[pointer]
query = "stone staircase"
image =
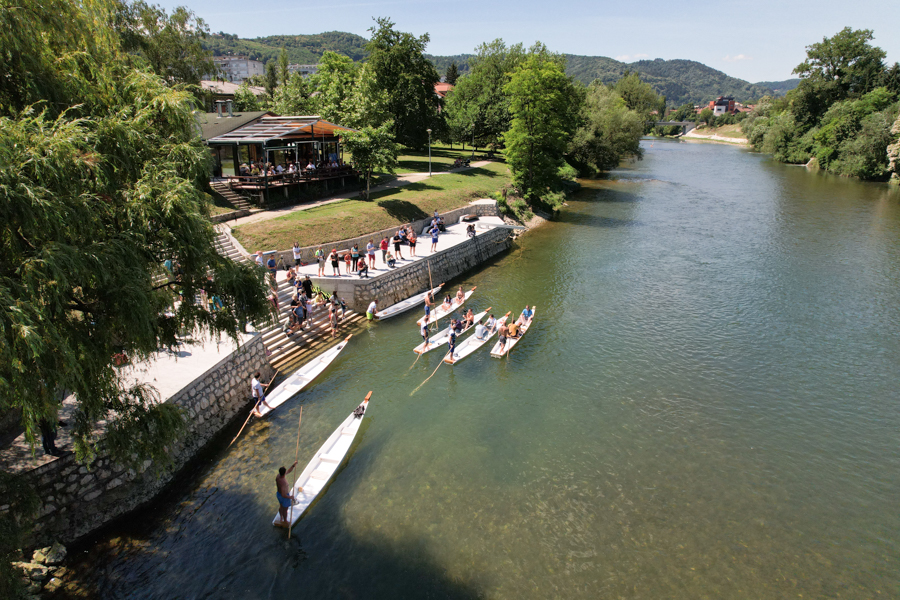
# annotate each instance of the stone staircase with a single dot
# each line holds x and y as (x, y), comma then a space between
(239, 202)
(287, 352)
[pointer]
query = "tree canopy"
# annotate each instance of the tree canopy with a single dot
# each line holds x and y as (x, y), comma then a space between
(373, 149)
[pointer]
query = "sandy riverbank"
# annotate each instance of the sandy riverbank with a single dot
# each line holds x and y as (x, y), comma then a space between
(693, 134)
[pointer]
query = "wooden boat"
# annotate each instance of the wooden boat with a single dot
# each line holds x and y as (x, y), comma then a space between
(405, 305)
(323, 466)
(301, 378)
(471, 343)
(498, 352)
(444, 336)
(440, 312)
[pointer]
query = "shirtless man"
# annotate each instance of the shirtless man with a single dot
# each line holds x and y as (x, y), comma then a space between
(470, 319)
(460, 296)
(283, 493)
(503, 331)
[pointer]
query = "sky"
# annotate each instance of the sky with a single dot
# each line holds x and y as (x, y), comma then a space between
(757, 40)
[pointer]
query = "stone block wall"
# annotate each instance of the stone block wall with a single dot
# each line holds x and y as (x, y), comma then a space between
(482, 208)
(412, 279)
(77, 499)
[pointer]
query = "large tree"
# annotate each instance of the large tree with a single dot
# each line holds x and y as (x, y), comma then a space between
(544, 105)
(400, 71)
(334, 82)
(373, 149)
(100, 184)
(609, 132)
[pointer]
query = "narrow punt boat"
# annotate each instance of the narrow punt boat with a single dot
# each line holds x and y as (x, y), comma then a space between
(498, 352)
(442, 311)
(444, 336)
(472, 343)
(301, 378)
(405, 305)
(323, 466)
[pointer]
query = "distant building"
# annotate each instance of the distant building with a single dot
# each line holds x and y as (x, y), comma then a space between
(224, 90)
(442, 89)
(722, 105)
(304, 70)
(238, 68)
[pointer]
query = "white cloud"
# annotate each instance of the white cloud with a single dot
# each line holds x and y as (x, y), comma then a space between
(631, 57)
(737, 58)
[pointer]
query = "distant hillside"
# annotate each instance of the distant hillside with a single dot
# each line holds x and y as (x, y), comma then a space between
(780, 87)
(680, 81)
(303, 49)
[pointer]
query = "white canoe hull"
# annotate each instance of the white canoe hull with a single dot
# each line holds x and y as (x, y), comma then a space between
(301, 378)
(440, 312)
(321, 468)
(471, 344)
(498, 352)
(405, 305)
(443, 337)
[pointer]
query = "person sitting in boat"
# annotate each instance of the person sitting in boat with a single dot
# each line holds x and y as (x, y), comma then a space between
(503, 332)
(481, 331)
(470, 318)
(448, 302)
(512, 331)
(460, 296)
(283, 493)
(460, 326)
(525, 316)
(491, 324)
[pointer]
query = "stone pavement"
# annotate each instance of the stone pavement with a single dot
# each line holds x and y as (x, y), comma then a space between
(400, 181)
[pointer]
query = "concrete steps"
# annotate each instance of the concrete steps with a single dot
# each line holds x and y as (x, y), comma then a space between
(239, 202)
(287, 352)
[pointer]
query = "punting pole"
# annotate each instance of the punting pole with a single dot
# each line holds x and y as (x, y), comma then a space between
(296, 458)
(251, 412)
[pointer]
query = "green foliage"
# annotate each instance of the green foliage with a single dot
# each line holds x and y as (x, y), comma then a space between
(101, 174)
(303, 49)
(293, 98)
(452, 74)
(610, 131)
(479, 106)
(171, 44)
(706, 116)
(543, 105)
(373, 149)
(638, 96)
(335, 82)
(271, 80)
(283, 71)
(405, 81)
(245, 99)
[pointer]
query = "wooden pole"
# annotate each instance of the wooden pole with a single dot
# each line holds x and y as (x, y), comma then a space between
(251, 412)
(296, 458)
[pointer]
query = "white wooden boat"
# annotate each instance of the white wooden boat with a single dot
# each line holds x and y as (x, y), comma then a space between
(301, 378)
(443, 337)
(472, 343)
(323, 466)
(441, 311)
(498, 352)
(405, 305)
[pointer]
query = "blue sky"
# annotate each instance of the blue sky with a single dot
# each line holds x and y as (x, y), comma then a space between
(756, 40)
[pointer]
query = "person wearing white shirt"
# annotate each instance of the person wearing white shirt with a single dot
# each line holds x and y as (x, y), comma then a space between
(480, 331)
(373, 308)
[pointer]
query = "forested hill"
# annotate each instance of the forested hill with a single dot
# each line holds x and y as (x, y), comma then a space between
(303, 49)
(680, 81)
(780, 87)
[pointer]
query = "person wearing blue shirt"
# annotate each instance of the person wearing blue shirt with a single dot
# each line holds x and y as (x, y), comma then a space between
(525, 316)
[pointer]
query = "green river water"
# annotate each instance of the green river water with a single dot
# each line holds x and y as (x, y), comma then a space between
(706, 407)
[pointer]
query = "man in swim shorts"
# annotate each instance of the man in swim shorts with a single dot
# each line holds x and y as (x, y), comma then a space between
(285, 498)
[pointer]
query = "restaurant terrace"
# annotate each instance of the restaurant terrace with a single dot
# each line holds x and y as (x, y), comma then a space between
(281, 155)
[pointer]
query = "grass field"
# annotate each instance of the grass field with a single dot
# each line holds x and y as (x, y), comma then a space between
(390, 208)
(442, 158)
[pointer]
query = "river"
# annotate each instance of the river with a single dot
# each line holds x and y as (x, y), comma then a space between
(706, 407)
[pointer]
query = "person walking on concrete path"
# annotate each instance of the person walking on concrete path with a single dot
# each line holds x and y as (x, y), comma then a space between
(434, 237)
(334, 262)
(320, 260)
(370, 252)
(384, 250)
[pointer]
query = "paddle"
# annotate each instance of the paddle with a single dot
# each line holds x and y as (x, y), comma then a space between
(251, 412)
(296, 458)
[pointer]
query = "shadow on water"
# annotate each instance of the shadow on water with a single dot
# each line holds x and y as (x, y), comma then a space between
(573, 218)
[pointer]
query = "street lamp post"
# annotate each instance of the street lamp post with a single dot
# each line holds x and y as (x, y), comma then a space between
(429, 152)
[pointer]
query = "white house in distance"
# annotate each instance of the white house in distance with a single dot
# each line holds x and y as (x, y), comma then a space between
(304, 70)
(238, 68)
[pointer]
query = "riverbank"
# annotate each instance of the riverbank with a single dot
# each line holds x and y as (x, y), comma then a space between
(729, 134)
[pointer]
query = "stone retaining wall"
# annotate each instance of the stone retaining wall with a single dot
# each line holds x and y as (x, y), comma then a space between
(77, 499)
(482, 208)
(413, 278)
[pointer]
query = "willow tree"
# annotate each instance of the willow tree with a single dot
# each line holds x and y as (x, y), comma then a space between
(100, 185)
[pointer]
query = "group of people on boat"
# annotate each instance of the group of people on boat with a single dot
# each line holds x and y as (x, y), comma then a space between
(514, 329)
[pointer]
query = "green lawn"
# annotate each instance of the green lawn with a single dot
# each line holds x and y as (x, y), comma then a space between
(442, 158)
(390, 208)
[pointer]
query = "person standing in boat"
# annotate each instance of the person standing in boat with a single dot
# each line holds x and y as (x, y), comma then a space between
(423, 331)
(452, 342)
(503, 331)
(283, 493)
(258, 393)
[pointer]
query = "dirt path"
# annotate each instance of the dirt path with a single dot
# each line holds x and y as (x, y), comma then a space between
(692, 134)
